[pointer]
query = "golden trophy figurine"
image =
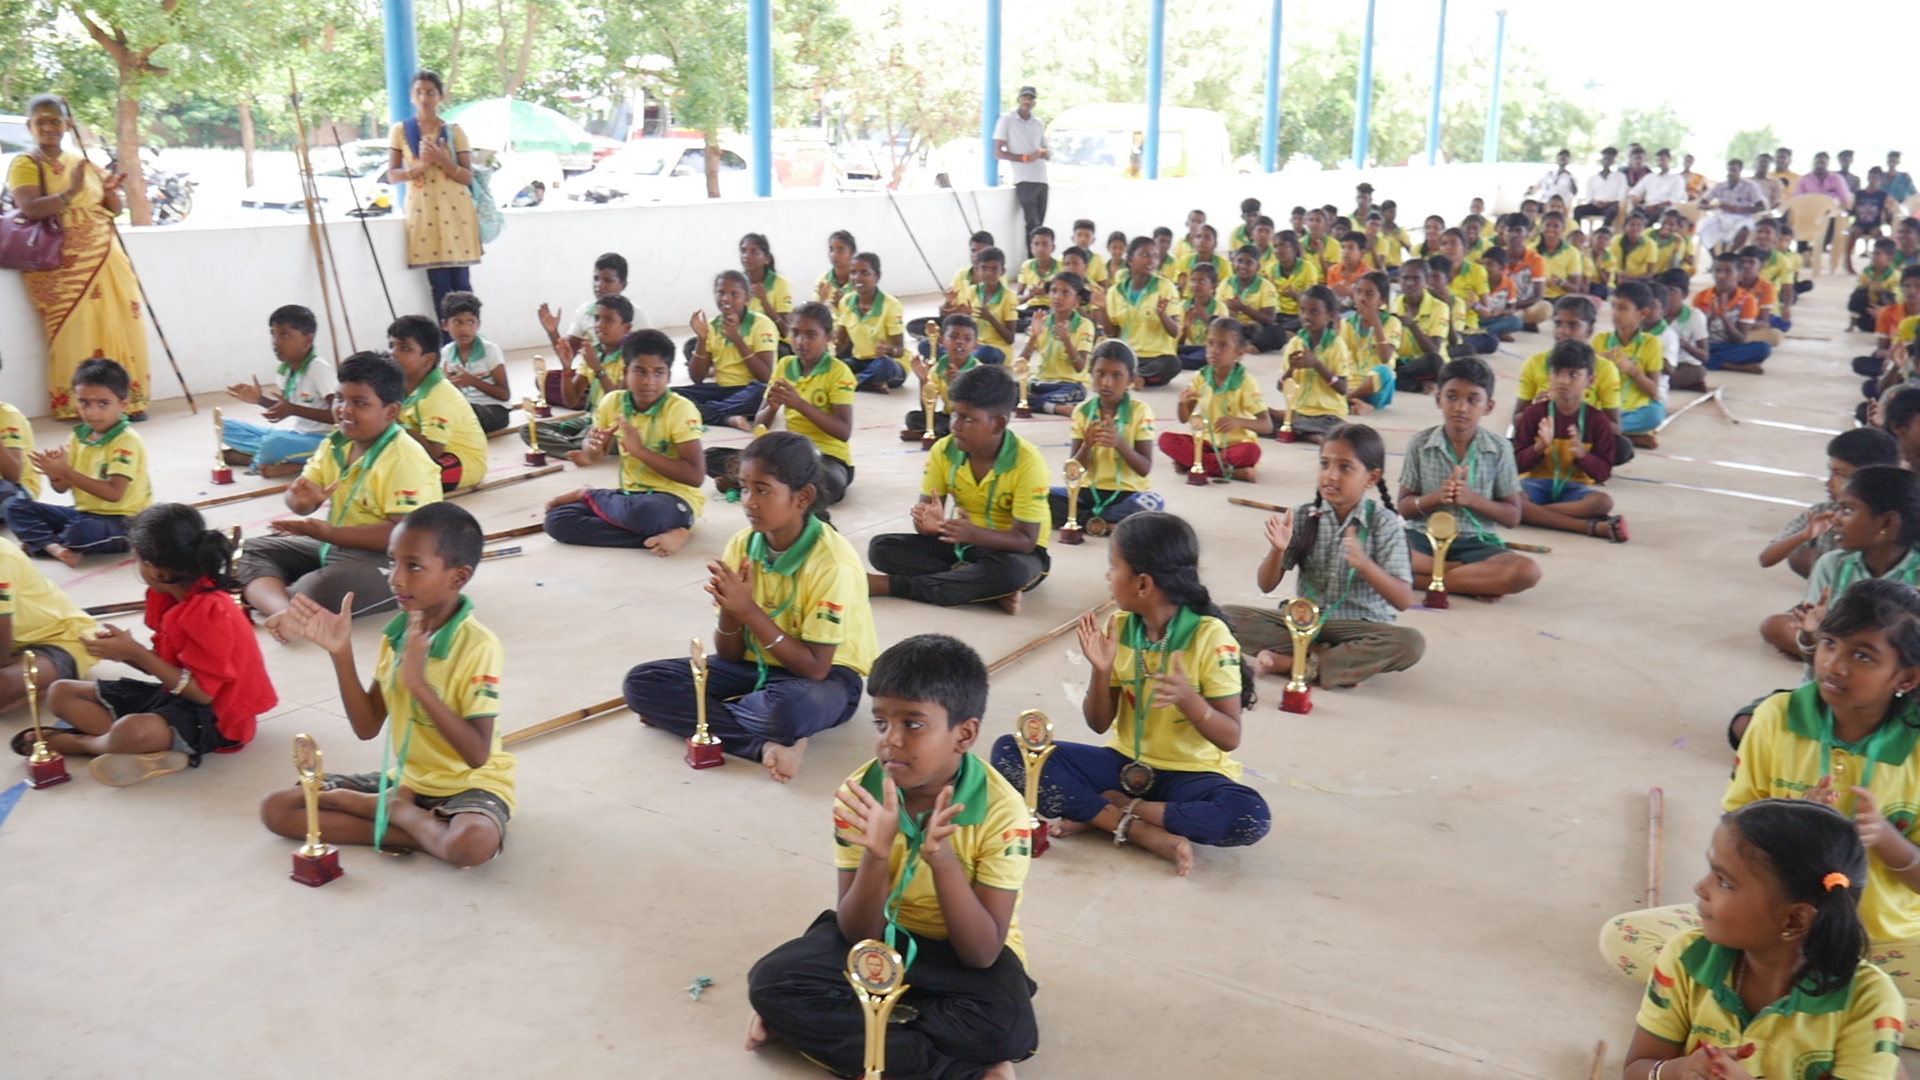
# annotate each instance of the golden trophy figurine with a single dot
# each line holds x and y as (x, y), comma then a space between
(877, 975)
(929, 408)
(540, 406)
(1197, 472)
(1302, 617)
(1071, 532)
(222, 472)
(1441, 531)
(703, 749)
(44, 767)
(1285, 434)
(315, 863)
(536, 457)
(1034, 734)
(1022, 373)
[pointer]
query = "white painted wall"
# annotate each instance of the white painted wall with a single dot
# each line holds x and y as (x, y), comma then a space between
(213, 285)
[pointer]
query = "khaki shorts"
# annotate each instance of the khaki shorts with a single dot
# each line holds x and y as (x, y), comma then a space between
(470, 801)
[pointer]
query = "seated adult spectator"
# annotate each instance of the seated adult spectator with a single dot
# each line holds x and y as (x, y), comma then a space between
(1657, 192)
(1604, 191)
(1734, 203)
(1558, 181)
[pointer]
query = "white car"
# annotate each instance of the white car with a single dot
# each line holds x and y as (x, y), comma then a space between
(668, 170)
(360, 178)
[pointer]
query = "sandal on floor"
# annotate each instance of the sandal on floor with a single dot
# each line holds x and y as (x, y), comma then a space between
(1616, 528)
(23, 739)
(126, 770)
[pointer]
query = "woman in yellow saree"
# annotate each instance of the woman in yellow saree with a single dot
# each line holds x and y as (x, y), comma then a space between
(91, 304)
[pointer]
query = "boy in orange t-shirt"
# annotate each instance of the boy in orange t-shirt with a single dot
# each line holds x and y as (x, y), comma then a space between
(1731, 312)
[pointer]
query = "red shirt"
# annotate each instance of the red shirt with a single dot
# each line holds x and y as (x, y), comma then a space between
(1890, 318)
(209, 635)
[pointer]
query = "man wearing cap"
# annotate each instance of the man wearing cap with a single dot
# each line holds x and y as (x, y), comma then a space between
(1021, 138)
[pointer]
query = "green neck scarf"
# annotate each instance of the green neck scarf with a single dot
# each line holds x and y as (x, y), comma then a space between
(337, 506)
(1853, 567)
(434, 378)
(88, 437)
(1122, 420)
(1003, 462)
(788, 564)
(439, 645)
(290, 373)
(1133, 635)
(969, 790)
(1892, 742)
(1362, 516)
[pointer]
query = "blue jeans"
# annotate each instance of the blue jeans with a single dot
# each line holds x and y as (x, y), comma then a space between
(37, 524)
(716, 403)
(877, 371)
(1501, 324)
(1121, 508)
(1722, 353)
(1539, 491)
(1043, 396)
(604, 518)
(268, 445)
(1643, 419)
(1205, 807)
(789, 708)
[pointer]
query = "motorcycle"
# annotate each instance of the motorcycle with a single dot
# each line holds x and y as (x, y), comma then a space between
(169, 193)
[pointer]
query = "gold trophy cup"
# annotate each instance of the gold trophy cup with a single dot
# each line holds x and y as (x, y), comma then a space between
(1022, 373)
(536, 457)
(1302, 617)
(541, 408)
(1071, 532)
(44, 768)
(877, 975)
(1197, 472)
(1034, 734)
(929, 407)
(222, 472)
(1285, 434)
(1441, 531)
(315, 863)
(703, 749)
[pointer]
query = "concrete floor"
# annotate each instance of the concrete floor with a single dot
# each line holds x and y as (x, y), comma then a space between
(1446, 842)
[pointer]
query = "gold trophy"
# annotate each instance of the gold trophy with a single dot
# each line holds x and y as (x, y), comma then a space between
(1197, 421)
(929, 407)
(1021, 372)
(876, 973)
(540, 406)
(315, 863)
(1034, 734)
(222, 472)
(44, 768)
(1285, 434)
(1071, 532)
(536, 457)
(1441, 531)
(703, 749)
(1302, 617)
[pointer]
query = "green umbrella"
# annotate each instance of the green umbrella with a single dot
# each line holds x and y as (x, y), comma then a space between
(511, 124)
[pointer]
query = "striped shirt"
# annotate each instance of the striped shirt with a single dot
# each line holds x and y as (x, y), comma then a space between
(1327, 580)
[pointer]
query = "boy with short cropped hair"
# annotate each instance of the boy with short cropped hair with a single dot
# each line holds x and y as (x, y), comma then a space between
(1242, 234)
(966, 275)
(954, 354)
(1811, 534)
(944, 893)
(1636, 354)
(301, 417)
(1204, 253)
(1878, 286)
(1563, 450)
(587, 376)
(1038, 270)
(1251, 298)
(995, 547)
(609, 279)
(434, 413)
(1730, 313)
(436, 691)
(369, 475)
(473, 364)
(1573, 318)
(1688, 325)
(989, 301)
(1461, 467)
(104, 465)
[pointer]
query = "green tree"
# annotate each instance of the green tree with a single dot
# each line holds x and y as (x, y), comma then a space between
(1746, 145)
(132, 32)
(1654, 129)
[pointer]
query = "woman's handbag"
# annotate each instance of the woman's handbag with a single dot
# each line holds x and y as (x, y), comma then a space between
(26, 244)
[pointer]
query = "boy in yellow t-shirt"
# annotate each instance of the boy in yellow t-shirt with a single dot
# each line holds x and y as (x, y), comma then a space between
(1315, 368)
(1204, 253)
(1224, 401)
(36, 616)
(1637, 355)
(368, 475)
(991, 303)
(434, 411)
(104, 464)
(1565, 267)
(816, 390)
(1292, 275)
(1252, 298)
(1063, 338)
(994, 547)
(946, 893)
(953, 353)
(656, 433)
(1037, 271)
(733, 354)
(1084, 238)
(966, 275)
(1635, 257)
(1113, 439)
(596, 371)
(436, 691)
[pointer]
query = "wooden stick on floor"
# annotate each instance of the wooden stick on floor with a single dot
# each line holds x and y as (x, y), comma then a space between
(1541, 548)
(1599, 1060)
(591, 712)
(506, 481)
(508, 534)
(1656, 840)
(117, 609)
(1057, 631)
(1238, 501)
(240, 496)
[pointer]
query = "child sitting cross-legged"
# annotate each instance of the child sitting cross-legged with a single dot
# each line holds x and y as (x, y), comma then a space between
(104, 465)
(212, 684)
(931, 848)
(1316, 368)
(297, 421)
(656, 434)
(871, 335)
(1202, 305)
(1877, 523)
(1168, 683)
(1811, 534)
(433, 413)
(816, 390)
(1113, 438)
(733, 354)
(1063, 338)
(795, 634)
(1352, 556)
(1637, 356)
(1563, 450)
(1372, 335)
(445, 785)
(1226, 398)
(954, 351)
(37, 617)
(589, 374)
(474, 365)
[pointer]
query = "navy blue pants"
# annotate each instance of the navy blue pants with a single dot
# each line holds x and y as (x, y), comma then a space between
(446, 279)
(876, 371)
(789, 708)
(1205, 807)
(605, 518)
(37, 524)
(1721, 353)
(716, 403)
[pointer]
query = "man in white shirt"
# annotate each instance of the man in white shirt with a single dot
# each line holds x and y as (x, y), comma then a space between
(1558, 181)
(1659, 190)
(1734, 202)
(1020, 138)
(1604, 191)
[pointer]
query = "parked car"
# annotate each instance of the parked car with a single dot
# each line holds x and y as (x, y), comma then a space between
(360, 180)
(664, 170)
(1102, 142)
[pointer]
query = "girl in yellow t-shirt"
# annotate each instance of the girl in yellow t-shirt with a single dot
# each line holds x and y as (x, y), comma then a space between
(1168, 685)
(772, 295)
(1062, 339)
(839, 276)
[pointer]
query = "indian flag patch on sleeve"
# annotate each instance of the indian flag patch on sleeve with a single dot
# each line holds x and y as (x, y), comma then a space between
(406, 498)
(487, 686)
(828, 611)
(1227, 656)
(1019, 842)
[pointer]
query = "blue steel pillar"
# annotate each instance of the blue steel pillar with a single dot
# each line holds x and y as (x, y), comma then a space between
(990, 95)
(1270, 123)
(1156, 56)
(1439, 72)
(760, 93)
(1490, 149)
(1363, 94)
(403, 57)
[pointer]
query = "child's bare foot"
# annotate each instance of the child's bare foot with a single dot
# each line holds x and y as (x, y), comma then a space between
(358, 803)
(1175, 849)
(1484, 599)
(1244, 473)
(1270, 662)
(756, 1032)
(1002, 1071)
(740, 422)
(276, 625)
(1010, 603)
(783, 762)
(1359, 408)
(1064, 827)
(666, 543)
(65, 555)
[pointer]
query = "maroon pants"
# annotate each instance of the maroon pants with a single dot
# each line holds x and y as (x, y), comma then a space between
(1178, 446)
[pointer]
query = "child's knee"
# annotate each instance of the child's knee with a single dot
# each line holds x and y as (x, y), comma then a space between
(472, 839)
(1602, 504)
(139, 733)
(279, 809)
(1522, 574)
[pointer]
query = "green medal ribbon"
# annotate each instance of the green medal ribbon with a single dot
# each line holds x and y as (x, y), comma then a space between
(438, 646)
(970, 790)
(652, 413)
(1122, 420)
(1234, 378)
(87, 437)
(1480, 532)
(1346, 585)
(1133, 635)
(291, 374)
(1003, 461)
(1561, 476)
(337, 508)
(788, 564)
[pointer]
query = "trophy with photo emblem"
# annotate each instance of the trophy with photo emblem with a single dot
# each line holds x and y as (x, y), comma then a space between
(315, 863)
(1034, 734)
(1441, 531)
(1302, 617)
(877, 975)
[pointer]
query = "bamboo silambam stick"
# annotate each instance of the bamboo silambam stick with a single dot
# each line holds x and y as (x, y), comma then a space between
(122, 608)
(1599, 1060)
(507, 481)
(1656, 841)
(563, 720)
(1050, 635)
(1238, 501)
(508, 534)
(240, 496)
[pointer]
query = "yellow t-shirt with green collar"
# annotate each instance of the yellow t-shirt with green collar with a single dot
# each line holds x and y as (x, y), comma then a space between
(1289, 284)
(1643, 351)
(1183, 266)
(1195, 332)
(1056, 364)
(1363, 345)
(1783, 755)
(829, 384)
(1566, 262)
(1211, 660)
(1097, 269)
(1014, 489)
(613, 363)
(1236, 395)
(1005, 306)
(1328, 255)
(1672, 252)
(1641, 261)
(1602, 393)
(1312, 394)
(16, 434)
(962, 280)
(835, 289)
(1470, 284)
(879, 323)
(779, 295)
(1107, 470)
(729, 367)
(120, 452)
(939, 377)
(673, 420)
(1393, 246)
(820, 597)
(992, 841)
(41, 613)
(1259, 294)
(1434, 319)
(1136, 314)
(1853, 1031)
(464, 665)
(1031, 274)
(440, 413)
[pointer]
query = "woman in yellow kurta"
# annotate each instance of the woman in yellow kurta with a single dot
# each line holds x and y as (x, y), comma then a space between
(431, 157)
(91, 304)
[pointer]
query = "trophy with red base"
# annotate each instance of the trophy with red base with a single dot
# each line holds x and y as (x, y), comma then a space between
(929, 402)
(1020, 372)
(878, 977)
(1071, 532)
(540, 406)
(315, 863)
(1441, 530)
(1302, 617)
(703, 748)
(44, 767)
(1197, 472)
(222, 473)
(1034, 734)
(536, 457)
(1285, 434)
